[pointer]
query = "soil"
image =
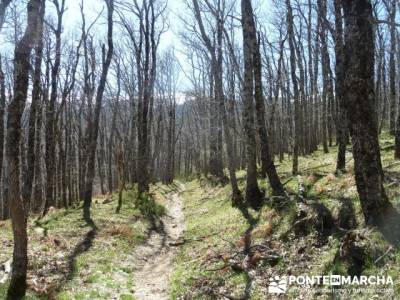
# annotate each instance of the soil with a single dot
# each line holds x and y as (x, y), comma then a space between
(153, 273)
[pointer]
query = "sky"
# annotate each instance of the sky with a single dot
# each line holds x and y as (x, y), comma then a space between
(92, 8)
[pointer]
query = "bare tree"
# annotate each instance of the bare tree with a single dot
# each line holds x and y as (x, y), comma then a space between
(253, 194)
(296, 94)
(342, 119)
(93, 128)
(16, 107)
(50, 156)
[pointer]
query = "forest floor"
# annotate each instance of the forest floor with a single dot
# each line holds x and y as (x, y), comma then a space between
(329, 237)
(203, 248)
(122, 257)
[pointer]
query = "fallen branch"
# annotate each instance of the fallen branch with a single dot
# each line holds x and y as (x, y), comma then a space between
(392, 165)
(384, 254)
(388, 148)
(287, 181)
(202, 238)
(317, 167)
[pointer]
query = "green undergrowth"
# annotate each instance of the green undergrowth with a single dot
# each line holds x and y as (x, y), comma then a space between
(211, 225)
(215, 233)
(70, 260)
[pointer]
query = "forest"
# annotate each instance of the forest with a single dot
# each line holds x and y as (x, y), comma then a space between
(199, 149)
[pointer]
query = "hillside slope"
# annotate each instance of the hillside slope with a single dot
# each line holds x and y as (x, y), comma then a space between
(233, 254)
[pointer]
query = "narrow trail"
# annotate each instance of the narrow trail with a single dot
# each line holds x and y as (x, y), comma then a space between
(156, 255)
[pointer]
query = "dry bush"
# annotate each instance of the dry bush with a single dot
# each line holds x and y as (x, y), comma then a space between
(330, 177)
(120, 230)
(262, 231)
(57, 241)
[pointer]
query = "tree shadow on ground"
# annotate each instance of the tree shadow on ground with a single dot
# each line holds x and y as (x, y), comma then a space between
(83, 246)
(353, 254)
(390, 227)
(252, 223)
(347, 214)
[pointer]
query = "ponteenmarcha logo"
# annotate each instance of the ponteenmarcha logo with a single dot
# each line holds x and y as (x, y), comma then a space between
(280, 284)
(277, 285)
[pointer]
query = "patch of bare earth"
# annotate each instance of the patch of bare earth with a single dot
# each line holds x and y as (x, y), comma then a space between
(155, 257)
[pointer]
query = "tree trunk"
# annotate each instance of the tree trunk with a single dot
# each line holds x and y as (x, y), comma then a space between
(94, 125)
(327, 82)
(267, 164)
(50, 156)
(5, 207)
(296, 95)
(23, 50)
(360, 105)
(35, 105)
(392, 66)
(253, 194)
(342, 119)
(219, 94)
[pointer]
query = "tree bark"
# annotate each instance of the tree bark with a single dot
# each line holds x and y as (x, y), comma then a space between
(339, 88)
(296, 94)
(360, 106)
(50, 153)
(5, 205)
(391, 7)
(23, 50)
(267, 163)
(253, 194)
(35, 106)
(94, 125)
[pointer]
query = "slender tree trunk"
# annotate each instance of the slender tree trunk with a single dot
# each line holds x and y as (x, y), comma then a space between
(121, 174)
(327, 86)
(215, 165)
(342, 119)
(296, 95)
(267, 164)
(35, 104)
(23, 50)
(50, 156)
(94, 125)
(5, 209)
(253, 194)
(219, 93)
(392, 66)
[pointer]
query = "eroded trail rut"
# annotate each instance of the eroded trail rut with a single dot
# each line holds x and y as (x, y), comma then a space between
(152, 275)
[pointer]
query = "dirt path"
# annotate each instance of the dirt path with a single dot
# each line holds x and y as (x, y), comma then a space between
(153, 274)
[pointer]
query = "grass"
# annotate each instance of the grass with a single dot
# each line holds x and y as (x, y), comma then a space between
(215, 229)
(68, 261)
(210, 223)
